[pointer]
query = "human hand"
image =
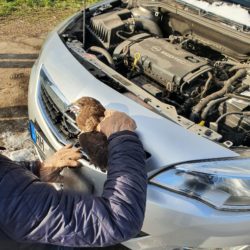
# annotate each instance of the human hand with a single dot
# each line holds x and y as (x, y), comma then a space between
(65, 157)
(115, 121)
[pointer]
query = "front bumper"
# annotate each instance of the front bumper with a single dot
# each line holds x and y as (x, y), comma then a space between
(171, 219)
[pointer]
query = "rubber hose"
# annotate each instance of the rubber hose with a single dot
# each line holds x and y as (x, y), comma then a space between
(105, 53)
(226, 88)
(147, 25)
(244, 113)
(210, 105)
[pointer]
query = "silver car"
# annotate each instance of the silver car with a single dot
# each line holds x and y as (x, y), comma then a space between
(181, 72)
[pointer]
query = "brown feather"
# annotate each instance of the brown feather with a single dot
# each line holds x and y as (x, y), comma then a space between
(95, 144)
(90, 113)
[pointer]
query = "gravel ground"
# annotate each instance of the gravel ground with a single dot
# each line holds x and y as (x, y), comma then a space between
(21, 38)
(18, 146)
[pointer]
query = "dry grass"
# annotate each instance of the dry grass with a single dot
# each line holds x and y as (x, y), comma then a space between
(21, 7)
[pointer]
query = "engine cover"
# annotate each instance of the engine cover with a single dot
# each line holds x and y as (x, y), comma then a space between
(165, 62)
(105, 26)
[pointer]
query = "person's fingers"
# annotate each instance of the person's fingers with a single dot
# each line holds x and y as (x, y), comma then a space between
(116, 121)
(69, 151)
(76, 156)
(133, 124)
(74, 164)
(98, 128)
(101, 118)
(71, 155)
(70, 163)
(68, 146)
(109, 112)
(76, 149)
(100, 125)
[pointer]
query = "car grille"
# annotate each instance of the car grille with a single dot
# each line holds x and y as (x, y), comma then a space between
(62, 118)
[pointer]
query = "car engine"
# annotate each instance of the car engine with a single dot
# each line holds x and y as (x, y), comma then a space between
(197, 65)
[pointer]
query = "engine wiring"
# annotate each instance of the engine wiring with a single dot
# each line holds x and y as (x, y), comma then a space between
(202, 81)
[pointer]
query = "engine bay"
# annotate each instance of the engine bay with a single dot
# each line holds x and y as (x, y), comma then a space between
(190, 67)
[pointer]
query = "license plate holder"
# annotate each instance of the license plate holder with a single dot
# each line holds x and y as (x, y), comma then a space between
(37, 138)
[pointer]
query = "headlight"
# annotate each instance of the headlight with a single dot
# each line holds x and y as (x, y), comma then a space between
(223, 184)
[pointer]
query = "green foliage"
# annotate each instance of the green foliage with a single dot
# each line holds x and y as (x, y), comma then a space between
(9, 6)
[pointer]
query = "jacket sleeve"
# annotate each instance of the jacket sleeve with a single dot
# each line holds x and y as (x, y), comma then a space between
(32, 166)
(34, 211)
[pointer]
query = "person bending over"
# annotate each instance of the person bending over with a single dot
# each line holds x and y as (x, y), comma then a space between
(34, 211)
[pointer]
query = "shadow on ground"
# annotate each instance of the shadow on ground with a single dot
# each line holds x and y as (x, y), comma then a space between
(17, 60)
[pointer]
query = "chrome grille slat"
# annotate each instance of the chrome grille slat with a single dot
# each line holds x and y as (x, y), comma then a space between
(64, 124)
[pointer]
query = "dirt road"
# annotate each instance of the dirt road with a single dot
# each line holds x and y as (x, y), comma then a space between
(21, 38)
(20, 42)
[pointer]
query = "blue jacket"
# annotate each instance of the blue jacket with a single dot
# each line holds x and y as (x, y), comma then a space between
(34, 211)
